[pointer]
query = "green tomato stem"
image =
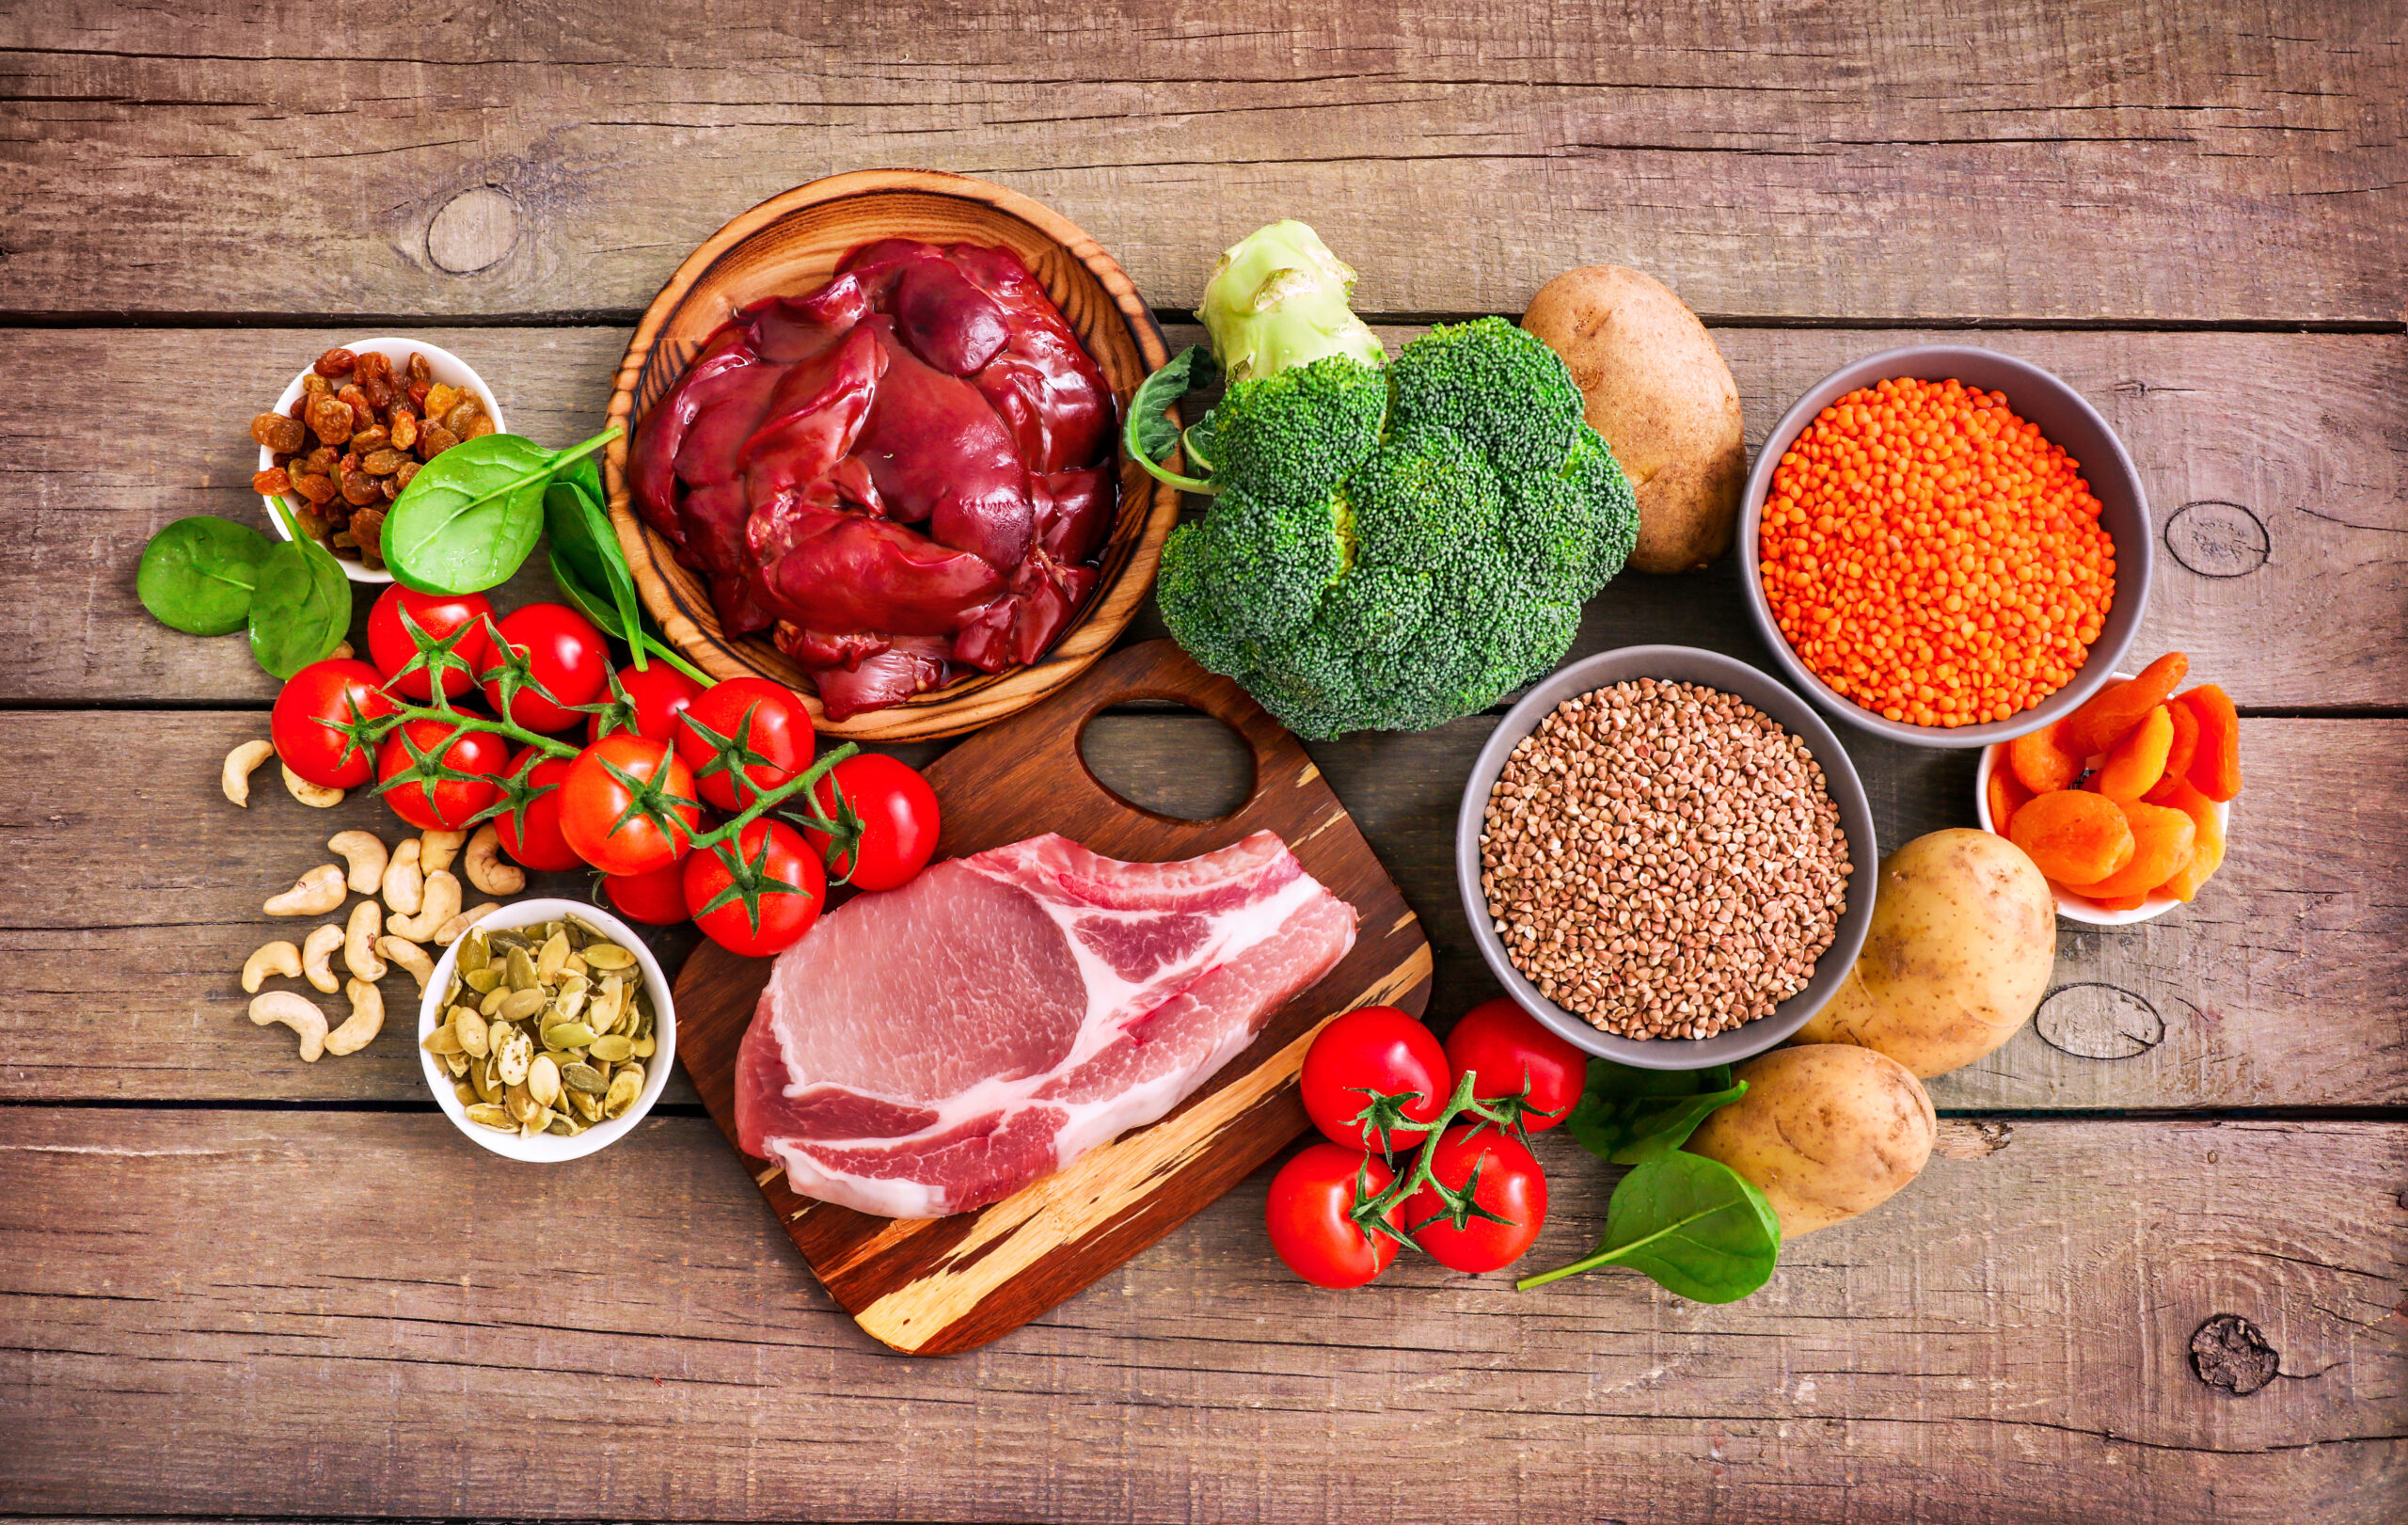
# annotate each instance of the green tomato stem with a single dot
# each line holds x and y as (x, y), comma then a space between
(774, 797)
(1372, 1216)
(477, 722)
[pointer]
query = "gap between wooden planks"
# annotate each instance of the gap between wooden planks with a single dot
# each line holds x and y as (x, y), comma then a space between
(2024, 159)
(317, 1315)
(133, 897)
(2278, 504)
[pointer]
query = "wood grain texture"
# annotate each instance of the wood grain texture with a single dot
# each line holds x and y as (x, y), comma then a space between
(939, 1286)
(2007, 1340)
(2279, 498)
(791, 245)
(132, 897)
(2007, 160)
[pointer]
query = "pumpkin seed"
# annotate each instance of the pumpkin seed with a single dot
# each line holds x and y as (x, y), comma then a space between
(472, 956)
(575, 965)
(644, 1047)
(456, 1063)
(569, 1034)
(511, 1060)
(442, 1040)
(571, 1002)
(625, 1087)
(466, 1092)
(522, 970)
(561, 1126)
(481, 1075)
(476, 1035)
(587, 1108)
(613, 1047)
(549, 961)
(484, 982)
(520, 1004)
(492, 1003)
(508, 937)
(544, 1079)
(491, 1115)
(583, 1077)
(609, 956)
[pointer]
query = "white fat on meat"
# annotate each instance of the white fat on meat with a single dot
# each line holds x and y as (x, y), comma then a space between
(934, 1048)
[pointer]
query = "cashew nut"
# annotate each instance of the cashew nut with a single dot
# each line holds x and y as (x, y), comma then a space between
(487, 870)
(297, 1012)
(366, 1021)
(235, 778)
(313, 894)
(315, 795)
(442, 903)
(360, 941)
(450, 932)
(365, 853)
(276, 957)
(436, 850)
(410, 957)
(405, 884)
(315, 954)
(343, 652)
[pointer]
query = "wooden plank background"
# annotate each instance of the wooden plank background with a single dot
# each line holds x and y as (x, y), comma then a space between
(231, 1285)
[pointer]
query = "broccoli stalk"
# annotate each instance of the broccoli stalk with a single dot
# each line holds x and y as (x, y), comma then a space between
(1278, 300)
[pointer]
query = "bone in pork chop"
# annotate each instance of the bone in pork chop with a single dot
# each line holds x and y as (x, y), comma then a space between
(934, 1048)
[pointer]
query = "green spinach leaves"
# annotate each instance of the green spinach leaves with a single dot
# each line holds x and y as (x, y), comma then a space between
(300, 607)
(1628, 1116)
(472, 517)
(1150, 434)
(1694, 1224)
(197, 574)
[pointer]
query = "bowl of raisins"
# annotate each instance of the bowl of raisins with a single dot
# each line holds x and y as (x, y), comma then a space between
(353, 429)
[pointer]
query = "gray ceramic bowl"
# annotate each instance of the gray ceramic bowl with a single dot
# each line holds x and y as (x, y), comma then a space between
(2069, 422)
(1679, 664)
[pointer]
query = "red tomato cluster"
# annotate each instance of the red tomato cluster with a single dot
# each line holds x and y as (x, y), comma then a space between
(662, 756)
(1368, 1078)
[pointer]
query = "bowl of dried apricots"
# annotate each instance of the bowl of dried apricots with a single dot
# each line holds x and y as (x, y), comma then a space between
(2125, 802)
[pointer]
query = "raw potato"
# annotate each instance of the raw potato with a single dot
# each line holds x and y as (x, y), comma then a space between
(1824, 1131)
(1661, 393)
(1963, 940)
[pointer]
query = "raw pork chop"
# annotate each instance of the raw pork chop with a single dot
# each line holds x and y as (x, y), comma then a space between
(934, 1048)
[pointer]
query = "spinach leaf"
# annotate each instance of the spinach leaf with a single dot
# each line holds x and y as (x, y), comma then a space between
(301, 608)
(581, 532)
(1149, 435)
(1693, 1225)
(197, 574)
(471, 518)
(1627, 1116)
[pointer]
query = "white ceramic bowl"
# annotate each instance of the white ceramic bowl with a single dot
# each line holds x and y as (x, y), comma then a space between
(449, 369)
(2074, 906)
(545, 1148)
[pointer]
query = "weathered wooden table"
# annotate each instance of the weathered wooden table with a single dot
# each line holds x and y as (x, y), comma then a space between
(231, 1285)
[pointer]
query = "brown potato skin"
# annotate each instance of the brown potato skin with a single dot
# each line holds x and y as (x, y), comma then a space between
(1660, 392)
(1963, 942)
(1824, 1131)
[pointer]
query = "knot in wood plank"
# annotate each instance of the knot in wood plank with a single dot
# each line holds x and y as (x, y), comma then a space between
(474, 230)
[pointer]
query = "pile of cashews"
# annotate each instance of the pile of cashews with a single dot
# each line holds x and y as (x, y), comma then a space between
(412, 900)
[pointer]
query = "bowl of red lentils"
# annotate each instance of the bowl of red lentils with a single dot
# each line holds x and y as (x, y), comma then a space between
(1666, 857)
(1944, 546)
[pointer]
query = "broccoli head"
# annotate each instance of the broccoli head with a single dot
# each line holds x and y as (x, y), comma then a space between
(1390, 548)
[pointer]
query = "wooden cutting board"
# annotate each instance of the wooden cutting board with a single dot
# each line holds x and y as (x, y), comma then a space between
(932, 1286)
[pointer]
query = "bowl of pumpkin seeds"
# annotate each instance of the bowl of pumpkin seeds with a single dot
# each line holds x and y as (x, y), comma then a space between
(547, 1030)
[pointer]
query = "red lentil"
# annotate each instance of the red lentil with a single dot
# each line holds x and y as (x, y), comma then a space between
(1933, 557)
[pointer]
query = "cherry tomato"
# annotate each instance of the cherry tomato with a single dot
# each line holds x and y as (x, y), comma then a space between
(1375, 1048)
(783, 876)
(553, 646)
(1307, 1213)
(478, 754)
(1512, 1053)
(654, 698)
(438, 617)
(530, 833)
(749, 725)
(311, 704)
(595, 805)
(657, 899)
(888, 812)
(1511, 1186)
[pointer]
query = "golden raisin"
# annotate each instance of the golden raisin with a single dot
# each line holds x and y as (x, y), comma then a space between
(360, 488)
(277, 433)
(421, 374)
(316, 487)
(375, 437)
(335, 362)
(404, 429)
(382, 462)
(441, 398)
(478, 427)
(272, 482)
(331, 418)
(461, 415)
(433, 440)
(402, 477)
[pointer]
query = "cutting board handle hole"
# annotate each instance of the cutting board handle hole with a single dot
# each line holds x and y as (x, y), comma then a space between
(1169, 760)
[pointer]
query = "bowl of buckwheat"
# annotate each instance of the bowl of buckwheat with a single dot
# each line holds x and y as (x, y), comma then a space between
(1666, 857)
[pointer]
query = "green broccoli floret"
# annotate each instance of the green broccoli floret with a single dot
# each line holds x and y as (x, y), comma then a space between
(1495, 385)
(1392, 549)
(1294, 435)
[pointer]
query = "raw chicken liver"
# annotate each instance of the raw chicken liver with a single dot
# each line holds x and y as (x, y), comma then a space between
(903, 475)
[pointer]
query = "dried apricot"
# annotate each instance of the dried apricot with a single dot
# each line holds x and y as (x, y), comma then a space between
(2007, 795)
(2186, 738)
(2108, 716)
(2215, 764)
(2074, 837)
(2162, 839)
(278, 433)
(2137, 762)
(2041, 761)
(2207, 852)
(336, 362)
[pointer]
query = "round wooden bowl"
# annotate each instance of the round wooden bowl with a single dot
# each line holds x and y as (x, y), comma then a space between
(790, 245)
